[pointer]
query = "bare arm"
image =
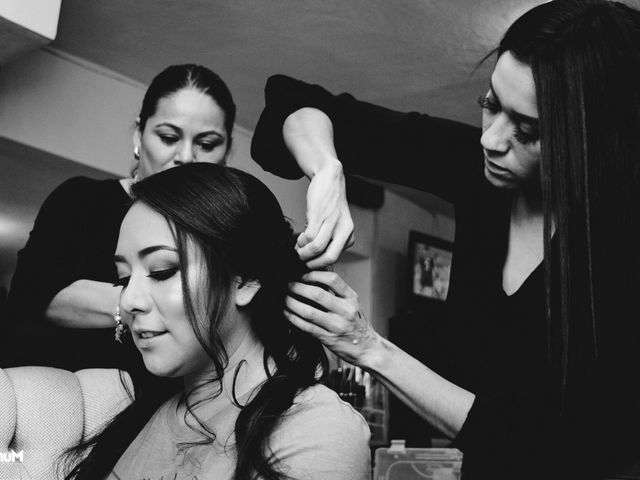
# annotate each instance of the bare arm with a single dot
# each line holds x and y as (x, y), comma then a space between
(344, 330)
(440, 402)
(308, 134)
(84, 304)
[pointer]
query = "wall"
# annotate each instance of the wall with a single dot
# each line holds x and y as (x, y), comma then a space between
(389, 273)
(77, 110)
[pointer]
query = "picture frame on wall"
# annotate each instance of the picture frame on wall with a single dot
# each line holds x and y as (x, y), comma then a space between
(429, 260)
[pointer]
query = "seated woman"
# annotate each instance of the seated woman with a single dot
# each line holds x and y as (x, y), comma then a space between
(204, 259)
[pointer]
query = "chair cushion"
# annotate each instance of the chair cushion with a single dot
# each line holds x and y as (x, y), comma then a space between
(46, 410)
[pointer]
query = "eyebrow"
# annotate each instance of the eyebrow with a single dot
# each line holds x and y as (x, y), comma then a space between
(146, 251)
(201, 134)
(519, 117)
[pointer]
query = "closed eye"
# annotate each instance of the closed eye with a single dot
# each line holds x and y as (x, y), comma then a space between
(168, 139)
(165, 274)
(525, 137)
(209, 145)
(488, 103)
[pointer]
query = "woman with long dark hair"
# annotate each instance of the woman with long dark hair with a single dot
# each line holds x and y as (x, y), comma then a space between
(539, 373)
(204, 259)
(62, 300)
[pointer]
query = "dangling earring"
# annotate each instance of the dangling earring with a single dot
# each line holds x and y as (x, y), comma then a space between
(136, 156)
(121, 328)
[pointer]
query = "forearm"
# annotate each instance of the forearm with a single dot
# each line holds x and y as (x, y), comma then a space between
(308, 134)
(84, 304)
(440, 402)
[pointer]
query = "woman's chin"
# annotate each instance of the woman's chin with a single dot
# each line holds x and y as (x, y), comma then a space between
(498, 181)
(160, 369)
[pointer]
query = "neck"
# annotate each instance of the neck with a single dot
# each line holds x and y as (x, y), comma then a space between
(244, 366)
(527, 212)
(126, 184)
(525, 207)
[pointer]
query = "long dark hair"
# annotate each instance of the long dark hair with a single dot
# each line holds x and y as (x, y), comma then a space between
(237, 225)
(585, 59)
(177, 77)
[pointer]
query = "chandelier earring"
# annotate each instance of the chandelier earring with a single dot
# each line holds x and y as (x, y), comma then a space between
(121, 328)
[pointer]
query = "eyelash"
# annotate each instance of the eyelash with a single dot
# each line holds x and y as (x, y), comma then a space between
(205, 146)
(493, 107)
(168, 139)
(488, 104)
(158, 276)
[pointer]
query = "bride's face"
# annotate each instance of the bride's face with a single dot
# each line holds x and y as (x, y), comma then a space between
(152, 297)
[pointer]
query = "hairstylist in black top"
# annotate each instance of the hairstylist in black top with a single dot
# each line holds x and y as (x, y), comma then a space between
(539, 377)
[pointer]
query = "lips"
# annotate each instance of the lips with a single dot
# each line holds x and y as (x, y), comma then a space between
(148, 334)
(146, 338)
(495, 169)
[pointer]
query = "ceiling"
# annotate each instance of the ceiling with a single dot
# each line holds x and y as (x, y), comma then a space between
(404, 54)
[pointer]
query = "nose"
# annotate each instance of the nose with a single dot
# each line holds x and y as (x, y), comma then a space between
(134, 299)
(496, 134)
(184, 154)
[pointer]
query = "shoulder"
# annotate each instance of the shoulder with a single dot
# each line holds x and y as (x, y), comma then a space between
(319, 399)
(77, 188)
(77, 197)
(322, 437)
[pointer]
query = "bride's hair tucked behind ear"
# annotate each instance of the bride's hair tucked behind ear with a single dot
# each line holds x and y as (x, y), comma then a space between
(237, 227)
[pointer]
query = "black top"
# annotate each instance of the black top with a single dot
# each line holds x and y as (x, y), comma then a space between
(74, 237)
(494, 345)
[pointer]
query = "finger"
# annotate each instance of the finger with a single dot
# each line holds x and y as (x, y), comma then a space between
(305, 326)
(329, 322)
(302, 240)
(342, 315)
(310, 231)
(325, 299)
(330, 280)
(337, 245)
(350, 241)
(319, 244)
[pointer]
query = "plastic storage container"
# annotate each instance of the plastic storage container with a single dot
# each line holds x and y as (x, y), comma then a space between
(400, 463)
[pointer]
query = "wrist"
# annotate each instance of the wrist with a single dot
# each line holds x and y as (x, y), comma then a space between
(376, 355)
(329, 166)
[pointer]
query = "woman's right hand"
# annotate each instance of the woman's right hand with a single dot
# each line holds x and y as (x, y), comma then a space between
(334, 317)
(308, 134)
(329, 227)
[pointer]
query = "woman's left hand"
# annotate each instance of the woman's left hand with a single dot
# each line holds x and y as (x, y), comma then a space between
(337, 320)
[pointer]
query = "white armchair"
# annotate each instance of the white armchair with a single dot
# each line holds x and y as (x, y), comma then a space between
(44, 411)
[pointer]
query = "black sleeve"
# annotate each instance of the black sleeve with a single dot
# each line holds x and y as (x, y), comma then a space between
(411, 149)
(51, 259)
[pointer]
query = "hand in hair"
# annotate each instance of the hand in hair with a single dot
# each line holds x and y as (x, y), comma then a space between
(330, 227)
(309, 135)
(324, 306)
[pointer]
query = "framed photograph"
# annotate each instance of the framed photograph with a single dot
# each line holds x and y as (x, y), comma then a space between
(429, 267)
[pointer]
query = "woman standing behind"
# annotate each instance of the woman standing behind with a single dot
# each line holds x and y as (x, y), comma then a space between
(539, 373)
(62, 299)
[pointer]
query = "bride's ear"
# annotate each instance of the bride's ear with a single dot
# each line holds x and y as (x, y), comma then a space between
(245, 291)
